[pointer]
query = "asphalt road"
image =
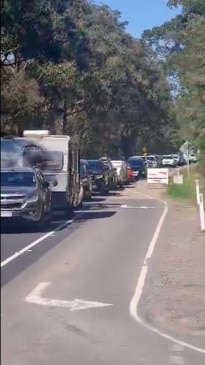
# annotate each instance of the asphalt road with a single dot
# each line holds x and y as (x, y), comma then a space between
(96, 258)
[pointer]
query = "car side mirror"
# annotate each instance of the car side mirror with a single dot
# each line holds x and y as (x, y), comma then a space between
(46, 184)
(54, 182)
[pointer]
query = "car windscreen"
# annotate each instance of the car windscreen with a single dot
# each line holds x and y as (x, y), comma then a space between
(45, 160)
(168, 156)
(117, 163)
(151, 158)
(136, 163)
(18, 179)
(94, 165)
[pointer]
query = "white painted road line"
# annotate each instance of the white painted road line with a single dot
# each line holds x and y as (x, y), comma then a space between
(177, 355)
(134, 304)
(39, 240)
(133, 207)
(177, 360)
(35, 297)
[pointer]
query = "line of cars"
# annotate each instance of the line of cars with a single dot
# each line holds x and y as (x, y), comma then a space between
(103, 174)
(27, 192)
(139, 164)
(42, 174)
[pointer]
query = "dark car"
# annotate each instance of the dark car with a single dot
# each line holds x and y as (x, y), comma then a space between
(100, 176)
(138, 167)
(86, 179)
(25, 196)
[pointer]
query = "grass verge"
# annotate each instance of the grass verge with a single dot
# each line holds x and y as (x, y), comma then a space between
(187, 190)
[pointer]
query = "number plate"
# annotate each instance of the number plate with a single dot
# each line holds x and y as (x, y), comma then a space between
(5, 214)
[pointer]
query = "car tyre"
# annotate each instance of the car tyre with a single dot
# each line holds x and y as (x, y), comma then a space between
(40, 225)
(69, 212)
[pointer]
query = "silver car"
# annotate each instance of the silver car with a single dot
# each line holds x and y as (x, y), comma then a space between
(25, 196)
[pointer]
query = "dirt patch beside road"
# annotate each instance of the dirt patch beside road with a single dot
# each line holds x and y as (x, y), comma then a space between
(174, 294)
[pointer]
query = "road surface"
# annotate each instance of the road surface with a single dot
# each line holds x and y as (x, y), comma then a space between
(96, 258)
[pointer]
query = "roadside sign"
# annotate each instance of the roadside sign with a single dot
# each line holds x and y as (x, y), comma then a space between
(144, 151)
(178, 179)
(158, 176)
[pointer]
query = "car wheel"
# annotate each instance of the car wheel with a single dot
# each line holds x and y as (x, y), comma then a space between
(40, 224)
(81, 204)
(69, 212)
(105, 190)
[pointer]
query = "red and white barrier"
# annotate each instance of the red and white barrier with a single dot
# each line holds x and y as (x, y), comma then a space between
(158, 176)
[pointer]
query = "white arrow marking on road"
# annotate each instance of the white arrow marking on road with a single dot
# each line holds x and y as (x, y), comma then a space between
(35, 297)
(133, 207)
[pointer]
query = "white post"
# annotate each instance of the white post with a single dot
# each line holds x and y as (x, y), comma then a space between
(201, 212)
(188, 163)
(197, 192)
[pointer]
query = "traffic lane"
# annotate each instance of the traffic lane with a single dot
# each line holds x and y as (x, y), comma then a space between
(45, 243)
(35, 334)
(15, 237)
(115, 252)
(106, 208)
(101, 263)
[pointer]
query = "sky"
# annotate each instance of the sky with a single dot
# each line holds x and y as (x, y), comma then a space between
(142, 14)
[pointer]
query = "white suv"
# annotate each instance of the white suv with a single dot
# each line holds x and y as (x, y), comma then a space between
(169, 160)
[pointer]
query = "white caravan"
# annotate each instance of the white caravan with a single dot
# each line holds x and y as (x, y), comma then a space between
(58, 158)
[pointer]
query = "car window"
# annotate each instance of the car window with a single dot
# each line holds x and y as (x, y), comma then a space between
(151, 158)
(168, 156)
(14, 178)
(95, 164)
(137, 162)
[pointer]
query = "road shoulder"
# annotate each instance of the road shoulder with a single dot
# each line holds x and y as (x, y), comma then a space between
(174, 294)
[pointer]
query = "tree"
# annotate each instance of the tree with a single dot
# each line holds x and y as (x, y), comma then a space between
(181, 41)
(77, 71)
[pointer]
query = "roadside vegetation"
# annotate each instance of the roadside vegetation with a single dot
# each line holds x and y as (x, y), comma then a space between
(187, 190)
(181, 43)
(71, 67)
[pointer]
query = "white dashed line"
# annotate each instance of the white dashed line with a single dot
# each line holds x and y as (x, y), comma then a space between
(177, 360)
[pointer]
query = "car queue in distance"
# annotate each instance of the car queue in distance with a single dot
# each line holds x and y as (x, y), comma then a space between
(27, 193)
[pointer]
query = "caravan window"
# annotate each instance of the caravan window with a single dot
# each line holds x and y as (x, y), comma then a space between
(45, 160)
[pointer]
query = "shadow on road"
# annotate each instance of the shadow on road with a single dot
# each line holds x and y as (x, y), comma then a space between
(58, 221)
(95, 215)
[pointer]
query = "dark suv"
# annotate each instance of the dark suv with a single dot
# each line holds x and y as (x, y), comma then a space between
(25, 195)
(100, 176)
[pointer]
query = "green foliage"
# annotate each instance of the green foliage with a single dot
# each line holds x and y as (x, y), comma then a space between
(187, 190)
(181, 41)
(75, 70)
